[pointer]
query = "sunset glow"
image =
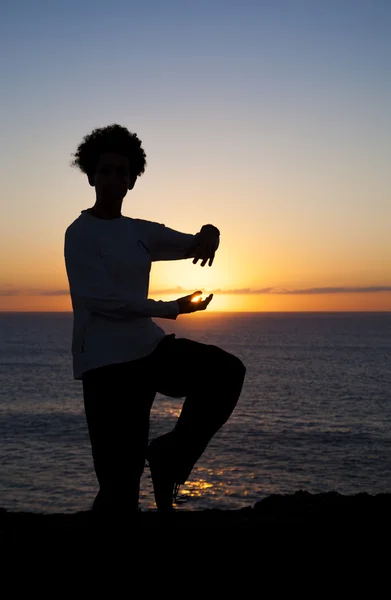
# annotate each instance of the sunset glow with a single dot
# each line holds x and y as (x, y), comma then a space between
(276, 130)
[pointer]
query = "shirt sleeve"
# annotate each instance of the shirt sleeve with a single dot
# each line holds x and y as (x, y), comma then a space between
(91, 287)
(168, 244)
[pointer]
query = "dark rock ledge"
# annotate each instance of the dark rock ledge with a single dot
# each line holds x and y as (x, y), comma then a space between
(301, 508)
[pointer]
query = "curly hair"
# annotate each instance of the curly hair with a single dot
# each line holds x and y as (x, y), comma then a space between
(110, 139)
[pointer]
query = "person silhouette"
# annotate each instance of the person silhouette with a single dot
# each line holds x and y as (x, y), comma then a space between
(122, 357)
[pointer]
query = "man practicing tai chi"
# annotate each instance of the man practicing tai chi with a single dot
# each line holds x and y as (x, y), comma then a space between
(122, 357)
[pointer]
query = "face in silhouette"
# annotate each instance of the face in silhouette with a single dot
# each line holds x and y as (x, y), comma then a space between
(112, 180)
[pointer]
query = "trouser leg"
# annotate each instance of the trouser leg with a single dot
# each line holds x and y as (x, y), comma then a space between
(211, 381)
(117, 404)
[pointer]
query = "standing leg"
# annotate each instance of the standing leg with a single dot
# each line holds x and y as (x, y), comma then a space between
(117, 407)
(211, 381)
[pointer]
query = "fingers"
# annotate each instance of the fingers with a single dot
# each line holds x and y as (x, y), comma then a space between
(202, 305)
(207, 300)
(204, 252)
(204, 246)
(189, 304)
(195, 294)
(209, 256)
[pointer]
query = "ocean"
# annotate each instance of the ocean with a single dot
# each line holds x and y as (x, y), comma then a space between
(314, 413)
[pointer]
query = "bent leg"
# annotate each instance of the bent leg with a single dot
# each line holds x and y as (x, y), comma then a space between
(211, 381)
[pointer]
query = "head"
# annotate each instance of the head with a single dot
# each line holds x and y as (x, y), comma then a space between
(112, 158)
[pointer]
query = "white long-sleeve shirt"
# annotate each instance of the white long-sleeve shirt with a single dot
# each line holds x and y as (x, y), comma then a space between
(108, 265)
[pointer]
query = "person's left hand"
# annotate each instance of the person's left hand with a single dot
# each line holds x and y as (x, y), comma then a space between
(205, 245)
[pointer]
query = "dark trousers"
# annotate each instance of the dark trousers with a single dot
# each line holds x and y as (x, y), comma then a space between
(118, 399)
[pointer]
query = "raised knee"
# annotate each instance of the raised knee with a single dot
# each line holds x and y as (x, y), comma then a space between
(241, 368)
(235, 367)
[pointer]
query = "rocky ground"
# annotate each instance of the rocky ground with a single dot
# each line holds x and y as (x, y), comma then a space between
(302, 508)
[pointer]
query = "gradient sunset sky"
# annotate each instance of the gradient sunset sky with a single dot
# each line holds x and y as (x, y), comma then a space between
(269, 119)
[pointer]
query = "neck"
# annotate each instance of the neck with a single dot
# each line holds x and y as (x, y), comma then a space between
(103, 211)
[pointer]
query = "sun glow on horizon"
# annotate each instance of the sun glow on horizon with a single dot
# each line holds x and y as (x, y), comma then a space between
(336, 302)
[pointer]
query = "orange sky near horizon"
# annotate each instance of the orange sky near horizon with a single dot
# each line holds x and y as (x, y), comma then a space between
(36, 281)
(336, 302)
(288, 279)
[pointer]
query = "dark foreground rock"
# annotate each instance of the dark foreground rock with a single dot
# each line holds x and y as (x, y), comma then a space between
(302, 508)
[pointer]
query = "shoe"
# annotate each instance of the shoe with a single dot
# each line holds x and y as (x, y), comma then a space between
(160, 455)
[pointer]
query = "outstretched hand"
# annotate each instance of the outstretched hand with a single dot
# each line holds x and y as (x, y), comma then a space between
(205, 245)
(188, 304)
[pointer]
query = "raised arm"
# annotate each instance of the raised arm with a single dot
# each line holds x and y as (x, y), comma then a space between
(168, 244)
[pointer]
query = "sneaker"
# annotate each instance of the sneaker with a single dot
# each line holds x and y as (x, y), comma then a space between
(160, 461)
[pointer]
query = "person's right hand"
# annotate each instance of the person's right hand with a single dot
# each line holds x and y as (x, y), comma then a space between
(187, 306)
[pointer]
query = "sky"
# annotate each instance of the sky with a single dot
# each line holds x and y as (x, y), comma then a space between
(269, 119)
